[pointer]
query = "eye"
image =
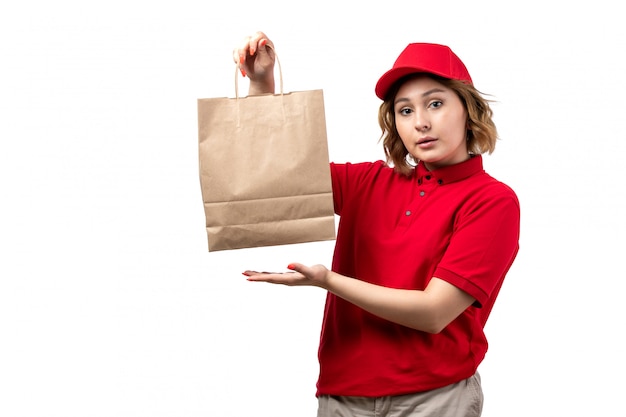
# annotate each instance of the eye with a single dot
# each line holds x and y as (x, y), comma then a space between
(404, 111)
(435, 104)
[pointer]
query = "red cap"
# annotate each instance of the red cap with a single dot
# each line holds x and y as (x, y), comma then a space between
(423, 57)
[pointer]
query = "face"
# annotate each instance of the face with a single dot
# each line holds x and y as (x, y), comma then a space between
(431, 121)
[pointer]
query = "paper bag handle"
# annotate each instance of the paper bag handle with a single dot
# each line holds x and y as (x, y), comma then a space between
(280, 73)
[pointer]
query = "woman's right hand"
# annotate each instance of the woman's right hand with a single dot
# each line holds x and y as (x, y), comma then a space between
(255, 58)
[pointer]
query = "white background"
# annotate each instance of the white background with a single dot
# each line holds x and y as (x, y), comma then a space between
(110, 303)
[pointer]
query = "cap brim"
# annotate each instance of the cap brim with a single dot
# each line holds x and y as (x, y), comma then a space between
(390, 77)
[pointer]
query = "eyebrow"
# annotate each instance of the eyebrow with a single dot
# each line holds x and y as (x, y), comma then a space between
(433, 90)
(424, 94)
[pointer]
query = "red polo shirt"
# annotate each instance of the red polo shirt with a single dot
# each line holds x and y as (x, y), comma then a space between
(456, 223)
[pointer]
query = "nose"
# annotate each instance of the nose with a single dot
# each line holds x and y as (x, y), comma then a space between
(422, 122)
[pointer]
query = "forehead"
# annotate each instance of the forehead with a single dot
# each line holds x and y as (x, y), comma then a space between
(421, 83)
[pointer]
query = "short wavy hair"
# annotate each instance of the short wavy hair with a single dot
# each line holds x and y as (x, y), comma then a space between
(481, 132)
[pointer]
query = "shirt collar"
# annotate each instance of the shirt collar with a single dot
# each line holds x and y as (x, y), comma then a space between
(452, 173)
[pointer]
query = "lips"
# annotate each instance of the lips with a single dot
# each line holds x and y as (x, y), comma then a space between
(425, 140)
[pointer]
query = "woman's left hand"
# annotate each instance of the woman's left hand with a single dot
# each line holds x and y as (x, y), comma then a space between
(316, 276)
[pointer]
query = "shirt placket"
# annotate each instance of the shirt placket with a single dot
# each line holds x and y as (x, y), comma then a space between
(424, 187)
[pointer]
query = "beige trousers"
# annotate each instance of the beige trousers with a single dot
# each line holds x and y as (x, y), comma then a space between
(462, 399)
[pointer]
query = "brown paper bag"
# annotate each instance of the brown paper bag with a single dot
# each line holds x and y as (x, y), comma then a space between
(264, 170)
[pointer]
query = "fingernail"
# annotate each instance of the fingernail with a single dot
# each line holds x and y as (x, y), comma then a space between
(291, 266)
(241, 59)
(263, 42)
(243, 72)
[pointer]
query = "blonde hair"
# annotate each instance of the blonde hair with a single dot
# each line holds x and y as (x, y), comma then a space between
(481, 132)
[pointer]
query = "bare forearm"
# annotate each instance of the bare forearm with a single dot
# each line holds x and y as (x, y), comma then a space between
(261, 87)
(409, 308)
(430, 310)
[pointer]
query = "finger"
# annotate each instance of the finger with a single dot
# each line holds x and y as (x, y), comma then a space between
(240, 52)
(286, 278)
(297, 267)
(257, 276)
(258, 41)
(250, 273)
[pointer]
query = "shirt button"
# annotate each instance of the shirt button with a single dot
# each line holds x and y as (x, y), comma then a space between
(408, 212)
(439, 182)
(422, 193)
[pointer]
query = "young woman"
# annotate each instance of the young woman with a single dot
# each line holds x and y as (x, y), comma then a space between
(424, 242)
